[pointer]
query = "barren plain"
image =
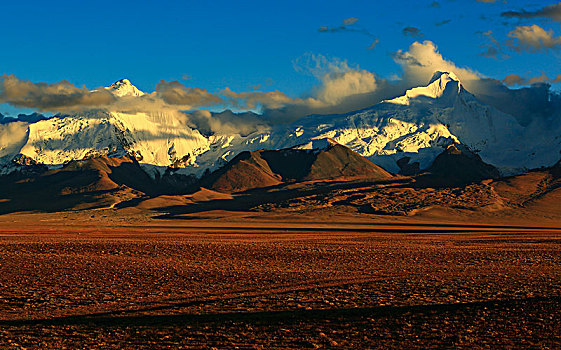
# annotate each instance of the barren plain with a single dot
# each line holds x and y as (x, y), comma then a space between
(247, 280)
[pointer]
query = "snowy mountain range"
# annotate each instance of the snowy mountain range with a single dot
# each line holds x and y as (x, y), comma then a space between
(417, 126)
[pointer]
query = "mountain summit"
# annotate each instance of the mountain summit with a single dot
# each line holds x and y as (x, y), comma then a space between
(443, 76)
(124, 87)
(442, 85)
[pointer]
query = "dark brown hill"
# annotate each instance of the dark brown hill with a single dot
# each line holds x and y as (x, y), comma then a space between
(90, 183)
(555, 170)
(266, 168)
(246, 171)
(455, 167)
(340, 161)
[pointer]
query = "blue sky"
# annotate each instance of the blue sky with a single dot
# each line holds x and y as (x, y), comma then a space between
(257, 44)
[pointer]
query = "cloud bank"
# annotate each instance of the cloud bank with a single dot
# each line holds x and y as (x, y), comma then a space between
(341, 88)
(59, 96)
(175, 93)
(515, 79)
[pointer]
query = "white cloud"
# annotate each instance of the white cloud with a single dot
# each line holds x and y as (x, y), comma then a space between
(336, 87)
(423, 59)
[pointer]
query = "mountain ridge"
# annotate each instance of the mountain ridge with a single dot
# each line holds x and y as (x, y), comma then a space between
(418, 125)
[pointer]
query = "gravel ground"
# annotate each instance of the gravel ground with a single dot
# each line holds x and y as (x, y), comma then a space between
(195, 289)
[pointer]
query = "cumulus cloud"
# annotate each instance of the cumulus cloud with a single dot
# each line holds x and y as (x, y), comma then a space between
(551, 11)
(339, 89)
(335, 87)
(342, 88)
(65, 97)
(12, 138)
(259, 99)
(423, 59)
(226, 122)
(337, 79)
(175, 93)
(61, 96)
(516, 79)
(532, 39)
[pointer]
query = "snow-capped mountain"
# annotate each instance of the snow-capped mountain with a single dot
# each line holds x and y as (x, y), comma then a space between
(418, 125)
(159, 140)
(124, 87)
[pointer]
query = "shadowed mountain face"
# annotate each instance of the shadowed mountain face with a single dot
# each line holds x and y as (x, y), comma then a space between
(457, 166)
(556, 170)
(86, 184)
(246, 171)
(265, 168)
(104, 173)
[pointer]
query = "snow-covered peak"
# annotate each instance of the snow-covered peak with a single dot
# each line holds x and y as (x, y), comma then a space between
(442, 84)
(124, 87)
(443, 76)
